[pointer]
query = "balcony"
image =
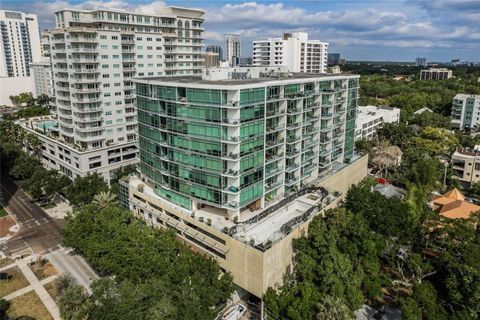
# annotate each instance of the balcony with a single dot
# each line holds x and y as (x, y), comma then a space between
(272, 185)
(87, 90)
(290, 182)
(292, 167)
(86, 70)
(272, 172)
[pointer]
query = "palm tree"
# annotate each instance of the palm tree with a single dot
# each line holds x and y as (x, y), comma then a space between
(104, 199)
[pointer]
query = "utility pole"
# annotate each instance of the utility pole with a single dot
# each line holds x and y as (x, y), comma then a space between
(261, 310)
(445, 176)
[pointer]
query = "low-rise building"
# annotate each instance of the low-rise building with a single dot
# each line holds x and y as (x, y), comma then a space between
(466, 165)
(435, 74)
(465, 111)
(72, 160)
(370, 118)
(453, 205)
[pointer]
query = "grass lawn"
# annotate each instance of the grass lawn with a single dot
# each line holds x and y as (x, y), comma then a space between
(28, 304)
(43, 269)
(15, 282)
(5, 262)
(3, 212)
(52, 289)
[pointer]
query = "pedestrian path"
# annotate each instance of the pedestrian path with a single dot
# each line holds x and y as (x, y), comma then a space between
(36, 285)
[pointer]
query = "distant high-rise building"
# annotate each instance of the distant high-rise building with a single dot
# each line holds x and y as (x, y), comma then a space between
(455, 62)
(233, 49)
(216, 49)
(20, 43)
(421, 62)
(211, 59)
(20, 46)
(333, 59)
(245, 61)
(294, 51)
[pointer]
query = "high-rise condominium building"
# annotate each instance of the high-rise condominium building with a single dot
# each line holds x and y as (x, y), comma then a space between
(20, 45)
(95, 56)
(233, 49)
(239, 162)
(294, 51)
(216, 49)
(435, 74)
(421, 62)
(465, 111)
(237, 143)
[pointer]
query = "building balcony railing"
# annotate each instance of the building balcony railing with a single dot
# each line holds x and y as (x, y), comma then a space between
(273, 185)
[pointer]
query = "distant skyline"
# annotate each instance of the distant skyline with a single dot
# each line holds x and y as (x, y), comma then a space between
(402, 30)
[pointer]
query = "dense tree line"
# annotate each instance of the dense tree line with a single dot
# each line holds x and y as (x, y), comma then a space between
(379, 251)
(412, 95)
(30, 106)
(146, 273)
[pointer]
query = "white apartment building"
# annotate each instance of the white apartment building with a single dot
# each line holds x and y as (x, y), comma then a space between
(466, 165)
(435, 74)
(233, 49)
(73, 161)
(42, 73)
(20, 45)
(294, 51)
(95, 56)
(370, 118)
(465, 111)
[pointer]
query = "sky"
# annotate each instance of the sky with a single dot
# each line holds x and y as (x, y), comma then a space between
(383, 30)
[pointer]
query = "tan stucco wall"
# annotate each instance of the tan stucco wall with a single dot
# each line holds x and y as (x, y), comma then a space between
(344, 178)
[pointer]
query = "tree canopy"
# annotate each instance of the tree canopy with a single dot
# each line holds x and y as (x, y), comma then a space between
(154, 275)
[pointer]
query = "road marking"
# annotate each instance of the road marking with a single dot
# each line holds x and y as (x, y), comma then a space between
(14, 198)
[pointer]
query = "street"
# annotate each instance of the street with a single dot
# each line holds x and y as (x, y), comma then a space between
(39, 234)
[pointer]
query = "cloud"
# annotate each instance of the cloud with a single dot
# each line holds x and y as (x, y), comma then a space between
(374, 26)
(396, 26)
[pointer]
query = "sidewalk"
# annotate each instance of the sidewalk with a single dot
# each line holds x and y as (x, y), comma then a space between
(36, 285)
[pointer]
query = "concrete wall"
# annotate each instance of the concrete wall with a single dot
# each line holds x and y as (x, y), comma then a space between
(344, 178)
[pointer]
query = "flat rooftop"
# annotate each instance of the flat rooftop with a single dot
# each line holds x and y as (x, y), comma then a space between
(199, 80)
(262, 226)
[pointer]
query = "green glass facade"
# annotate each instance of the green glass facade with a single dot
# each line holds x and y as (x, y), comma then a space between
(232, 146)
